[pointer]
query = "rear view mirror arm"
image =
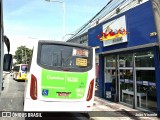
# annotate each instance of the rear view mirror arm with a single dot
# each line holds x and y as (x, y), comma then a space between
(7, 42)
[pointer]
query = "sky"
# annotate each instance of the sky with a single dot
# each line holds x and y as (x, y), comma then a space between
(26, 21)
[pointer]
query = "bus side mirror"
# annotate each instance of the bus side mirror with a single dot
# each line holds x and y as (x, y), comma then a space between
(7, 62)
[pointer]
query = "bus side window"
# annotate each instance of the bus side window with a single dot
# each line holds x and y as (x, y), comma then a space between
(16, 69)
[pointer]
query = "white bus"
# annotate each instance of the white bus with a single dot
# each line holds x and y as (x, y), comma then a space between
(61, 77)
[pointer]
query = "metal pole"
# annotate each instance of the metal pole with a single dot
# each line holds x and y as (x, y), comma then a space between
(22, 56)
(64, 12)
(64, 18)
(25, 56)
(1, 46)
(134, 81)
(156, 12)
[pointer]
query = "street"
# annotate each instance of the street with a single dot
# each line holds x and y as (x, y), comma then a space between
(12, 95)
(12, 100)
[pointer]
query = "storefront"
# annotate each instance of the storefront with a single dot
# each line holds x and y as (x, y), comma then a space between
(131, 74)
(128, 58)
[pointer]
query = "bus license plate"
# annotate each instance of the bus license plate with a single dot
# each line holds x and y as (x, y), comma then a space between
(63, 94)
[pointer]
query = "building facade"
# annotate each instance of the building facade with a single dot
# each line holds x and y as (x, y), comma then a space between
(81, 39)
(128, 50)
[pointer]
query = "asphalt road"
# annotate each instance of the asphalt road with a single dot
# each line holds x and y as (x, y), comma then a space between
(12, 95)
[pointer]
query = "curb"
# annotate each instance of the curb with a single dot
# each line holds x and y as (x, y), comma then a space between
(113, 105)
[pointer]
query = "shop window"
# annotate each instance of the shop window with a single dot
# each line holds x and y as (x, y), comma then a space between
(111, 61)
(146, 81)
(146, 85)
(126, 86)
(145, 75)
(125, 60)
(144, 59)
(126, 78)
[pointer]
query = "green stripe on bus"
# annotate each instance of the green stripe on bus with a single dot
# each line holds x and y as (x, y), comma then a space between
(65, 85)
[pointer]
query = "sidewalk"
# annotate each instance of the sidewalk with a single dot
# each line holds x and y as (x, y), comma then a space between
(105, 105)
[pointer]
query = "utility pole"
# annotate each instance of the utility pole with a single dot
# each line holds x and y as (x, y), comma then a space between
(1, 45)
(22, 56)
(25, 56)
(156, 12)
(64, 13)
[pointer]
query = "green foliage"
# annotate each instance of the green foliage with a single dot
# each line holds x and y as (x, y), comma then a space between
(22, 55)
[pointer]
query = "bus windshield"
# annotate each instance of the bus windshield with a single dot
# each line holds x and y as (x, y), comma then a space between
(63, 56)
(24, 67)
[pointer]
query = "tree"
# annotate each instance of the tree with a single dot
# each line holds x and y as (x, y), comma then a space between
(22, 55)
